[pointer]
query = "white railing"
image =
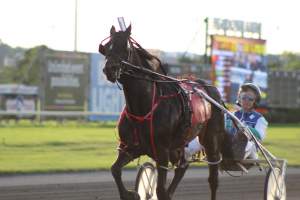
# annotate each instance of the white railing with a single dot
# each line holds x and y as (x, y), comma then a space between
(57, 113)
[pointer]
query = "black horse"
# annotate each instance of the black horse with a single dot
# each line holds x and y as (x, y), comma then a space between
(157, 118)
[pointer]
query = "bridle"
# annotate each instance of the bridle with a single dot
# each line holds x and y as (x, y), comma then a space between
(126, 67)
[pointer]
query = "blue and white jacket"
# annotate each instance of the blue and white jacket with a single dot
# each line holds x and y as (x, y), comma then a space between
(254, 120)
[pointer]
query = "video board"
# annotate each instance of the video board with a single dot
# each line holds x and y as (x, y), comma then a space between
(105, 98)
(65, 81)
(236, 61)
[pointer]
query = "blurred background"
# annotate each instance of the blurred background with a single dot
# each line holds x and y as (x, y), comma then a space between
(57, 110)
(50, 68)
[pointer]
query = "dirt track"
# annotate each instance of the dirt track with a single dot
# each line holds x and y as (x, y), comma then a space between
(99, 186)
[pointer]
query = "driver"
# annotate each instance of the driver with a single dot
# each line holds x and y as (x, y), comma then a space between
(249, 96)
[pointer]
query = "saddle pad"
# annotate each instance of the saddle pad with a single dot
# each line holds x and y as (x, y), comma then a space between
(201, 109)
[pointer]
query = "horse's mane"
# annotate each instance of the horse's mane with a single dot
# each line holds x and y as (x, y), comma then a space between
(143, 53)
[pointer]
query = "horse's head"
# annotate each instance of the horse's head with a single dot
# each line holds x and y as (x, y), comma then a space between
(115, 51)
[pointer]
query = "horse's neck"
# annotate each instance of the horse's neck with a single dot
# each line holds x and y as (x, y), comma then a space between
(138, 95)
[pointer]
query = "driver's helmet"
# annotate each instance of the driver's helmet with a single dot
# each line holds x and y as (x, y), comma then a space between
(254, 88)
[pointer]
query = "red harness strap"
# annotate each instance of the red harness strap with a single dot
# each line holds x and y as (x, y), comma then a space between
(148, 116)
(140, 119)
(123, 114)
(151, 124)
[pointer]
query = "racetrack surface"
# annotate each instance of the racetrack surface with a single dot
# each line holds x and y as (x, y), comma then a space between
(100, 186)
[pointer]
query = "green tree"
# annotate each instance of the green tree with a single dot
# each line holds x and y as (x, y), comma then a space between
(29, 67)
(187, 59)
(291, 61)
(8, 70)
(7, 75)
(286, 61)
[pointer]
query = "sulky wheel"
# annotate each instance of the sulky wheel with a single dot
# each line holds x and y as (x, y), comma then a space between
(271, 191)
(145, 183)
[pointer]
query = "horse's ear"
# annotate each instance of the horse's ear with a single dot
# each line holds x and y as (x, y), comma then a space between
(128, 30)
(112, 30)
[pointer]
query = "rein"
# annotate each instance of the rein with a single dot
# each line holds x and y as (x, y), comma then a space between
(136, 52)
(152, 80)
(148, 71)
(167, 79)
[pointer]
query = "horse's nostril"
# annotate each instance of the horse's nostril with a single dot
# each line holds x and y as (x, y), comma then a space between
(104, 71)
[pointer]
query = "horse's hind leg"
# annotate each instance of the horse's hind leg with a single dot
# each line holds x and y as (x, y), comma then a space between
(116, 170)
(213, 156)
(179, 173)
(213, 180)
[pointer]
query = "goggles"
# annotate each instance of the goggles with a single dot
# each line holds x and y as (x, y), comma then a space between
(247, 98)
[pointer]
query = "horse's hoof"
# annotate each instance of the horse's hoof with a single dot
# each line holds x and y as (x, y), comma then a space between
(131, 195)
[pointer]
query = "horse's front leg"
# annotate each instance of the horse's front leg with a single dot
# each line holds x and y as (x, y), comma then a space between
(116, 170)
(162, 171)
(179, 173)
